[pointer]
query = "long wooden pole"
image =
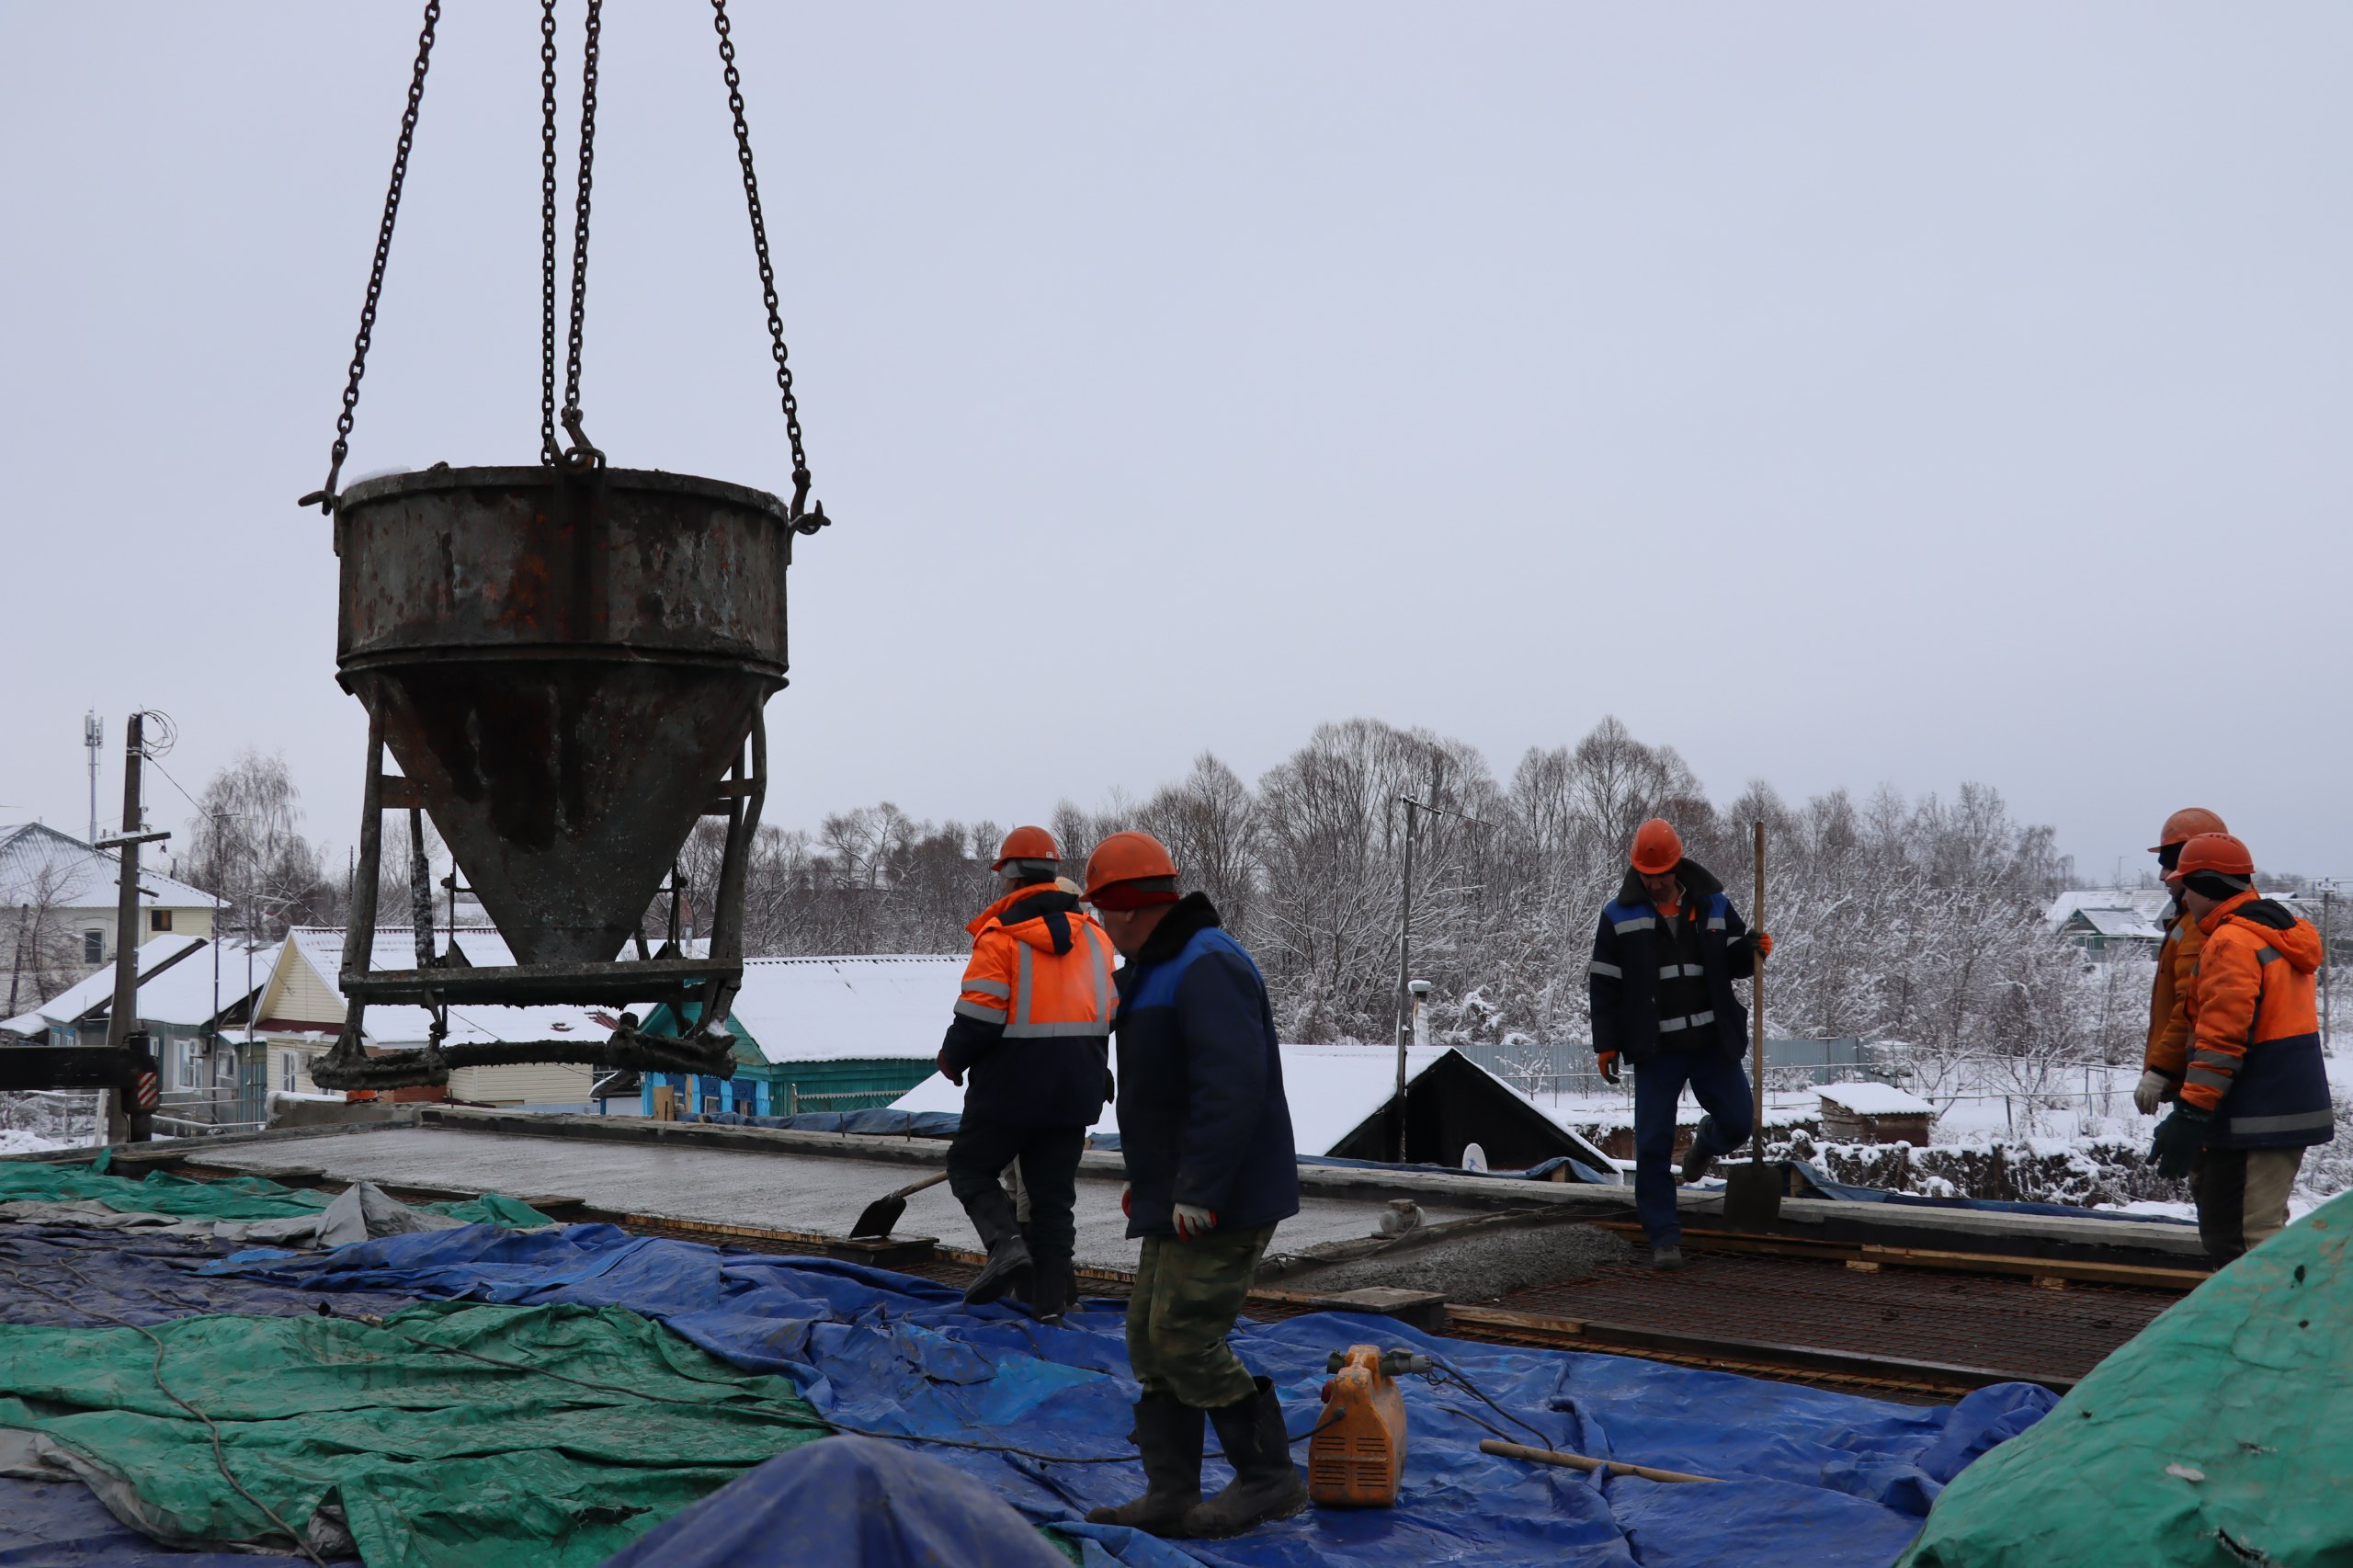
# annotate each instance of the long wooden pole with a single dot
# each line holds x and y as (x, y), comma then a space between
(1757, 1007)
(1502, 1449)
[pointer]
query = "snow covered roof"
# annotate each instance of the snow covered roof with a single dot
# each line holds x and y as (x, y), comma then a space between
(79, 877)
(320, 949)
(1875, 1099)
(2130, 914)
(833, 1009)
(1331, 1088)
(175, 986)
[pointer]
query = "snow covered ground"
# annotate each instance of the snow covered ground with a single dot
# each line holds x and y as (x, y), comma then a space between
(1981, 1107)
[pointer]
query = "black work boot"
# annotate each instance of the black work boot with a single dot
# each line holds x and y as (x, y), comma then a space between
(1168, 1439)
(1009, 1265)
(1267, 1486)
(1051, 1289)
(1024, 1289)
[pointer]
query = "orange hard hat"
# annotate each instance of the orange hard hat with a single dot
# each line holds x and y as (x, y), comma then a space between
(1657, 849)
(1132, 869)
(1028, 844)
(2216, 852)
(2186, 825)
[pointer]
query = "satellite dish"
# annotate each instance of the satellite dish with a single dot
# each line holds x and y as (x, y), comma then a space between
(1474, 1158)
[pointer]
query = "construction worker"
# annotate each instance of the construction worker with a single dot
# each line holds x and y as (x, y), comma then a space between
(2256, 1093)
(1032, 1029)
(2166, 1058)
(1206, 1134)
(1665, 956)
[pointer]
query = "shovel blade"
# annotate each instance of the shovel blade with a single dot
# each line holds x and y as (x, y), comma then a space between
(880, 1216)
(1752, 1195)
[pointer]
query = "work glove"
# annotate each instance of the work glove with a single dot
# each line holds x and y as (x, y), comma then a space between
(1127, 1201)
(1762, 942)
(2180, 1137)
(1609, 1066)
(1193, 1222)
(2150, 1093)
(953, 1075)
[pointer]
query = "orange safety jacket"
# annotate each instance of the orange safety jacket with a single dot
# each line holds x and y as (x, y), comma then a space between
(2168, 1048)
(1033, 1016)
(2255, 1057)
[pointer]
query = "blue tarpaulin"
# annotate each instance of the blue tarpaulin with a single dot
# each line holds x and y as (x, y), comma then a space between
(845, 1503)
(1815, 1479)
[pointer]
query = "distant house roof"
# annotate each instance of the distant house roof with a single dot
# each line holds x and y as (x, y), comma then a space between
(2118, 913)
(79, 876)
(318, 949)
(834, 1010)
(175, 986)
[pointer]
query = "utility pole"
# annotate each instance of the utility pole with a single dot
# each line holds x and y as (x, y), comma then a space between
(1404, 966)
(125, 1120)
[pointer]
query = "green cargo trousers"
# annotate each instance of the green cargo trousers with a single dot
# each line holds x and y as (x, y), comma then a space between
(1188, 1295)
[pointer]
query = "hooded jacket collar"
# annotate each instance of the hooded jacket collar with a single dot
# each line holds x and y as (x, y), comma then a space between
(1698, 885)
(1039, 916)
(2291, 938)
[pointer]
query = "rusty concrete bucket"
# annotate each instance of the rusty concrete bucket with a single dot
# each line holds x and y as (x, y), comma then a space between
(565, 665)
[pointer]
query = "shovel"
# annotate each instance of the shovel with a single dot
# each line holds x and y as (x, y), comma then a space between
(885, 1211)
(1752, 1192)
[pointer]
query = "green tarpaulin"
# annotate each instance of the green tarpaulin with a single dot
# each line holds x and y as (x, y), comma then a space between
(2223, 1436)
(440, 1436)
(239, 1198)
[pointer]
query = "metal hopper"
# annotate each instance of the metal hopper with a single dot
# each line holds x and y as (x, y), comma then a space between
(567, 666)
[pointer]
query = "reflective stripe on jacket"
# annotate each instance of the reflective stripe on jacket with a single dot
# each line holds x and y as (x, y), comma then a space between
(1033, 1018)
(1625, 978)
(1202, 1115)
(2255, 1056)
(2168, 1048)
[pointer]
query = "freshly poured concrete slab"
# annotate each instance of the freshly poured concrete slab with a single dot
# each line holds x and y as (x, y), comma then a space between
(776, 1191)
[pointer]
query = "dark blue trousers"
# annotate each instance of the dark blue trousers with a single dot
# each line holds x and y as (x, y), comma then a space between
(1721, 1089)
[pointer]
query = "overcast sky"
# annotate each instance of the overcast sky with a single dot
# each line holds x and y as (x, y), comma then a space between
(1842, 394)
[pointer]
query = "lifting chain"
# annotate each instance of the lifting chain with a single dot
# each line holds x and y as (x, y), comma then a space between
(581, 453)
(324, 496)
(549, 450)
(806, 516)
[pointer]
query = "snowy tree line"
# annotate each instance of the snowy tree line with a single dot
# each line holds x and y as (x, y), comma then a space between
(1911, 920)
(1918, 921)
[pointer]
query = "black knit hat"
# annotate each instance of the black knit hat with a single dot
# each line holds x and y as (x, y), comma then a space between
(2215, 885)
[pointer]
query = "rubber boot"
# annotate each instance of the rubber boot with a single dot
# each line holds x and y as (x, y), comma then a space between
(1009, 1263)
(1052, 1288)
(1024, 1290)
(1168, 1439)
(1267, 1486)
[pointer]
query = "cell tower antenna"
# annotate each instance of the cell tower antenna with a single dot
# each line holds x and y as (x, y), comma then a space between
(94, 735)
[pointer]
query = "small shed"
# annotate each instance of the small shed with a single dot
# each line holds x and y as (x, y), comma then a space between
(847, 1033)
(1875, 1113)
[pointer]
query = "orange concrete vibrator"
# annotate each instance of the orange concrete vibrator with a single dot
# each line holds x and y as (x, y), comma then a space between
(1357, 1451)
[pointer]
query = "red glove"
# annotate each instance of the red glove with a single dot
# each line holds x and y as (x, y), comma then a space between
(1764, 941)
(1127, 1201)
(1193, 1222)
(1609, 1066)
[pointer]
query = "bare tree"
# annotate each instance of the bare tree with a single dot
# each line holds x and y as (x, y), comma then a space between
(245, 843)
